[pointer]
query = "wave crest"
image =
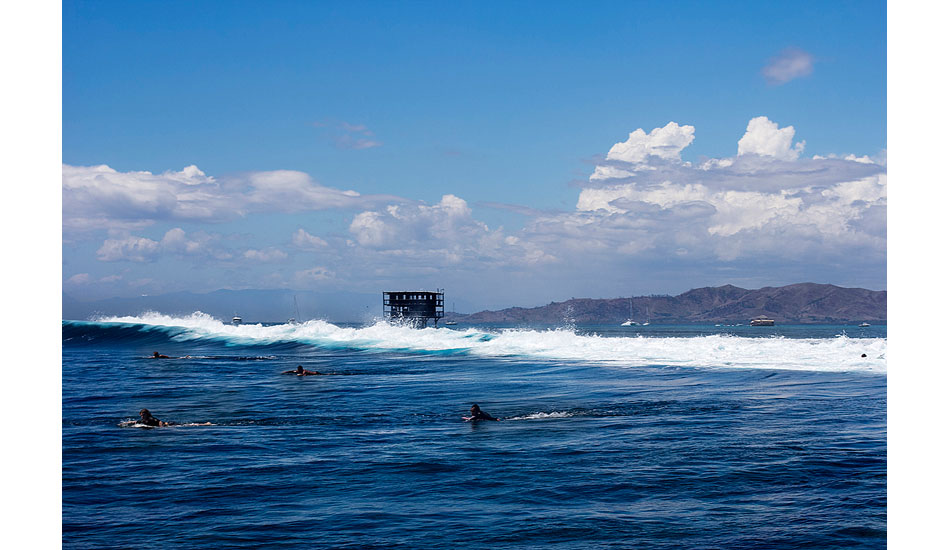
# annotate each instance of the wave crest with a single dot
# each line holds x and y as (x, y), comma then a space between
(711, 351)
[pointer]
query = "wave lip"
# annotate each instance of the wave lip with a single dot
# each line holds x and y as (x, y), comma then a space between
(710, 351)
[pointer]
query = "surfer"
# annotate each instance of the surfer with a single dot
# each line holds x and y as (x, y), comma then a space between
(150, 420)
(157, 355)
(300, 371)
(479, 414)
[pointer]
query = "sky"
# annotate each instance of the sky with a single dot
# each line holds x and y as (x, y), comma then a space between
(512, 153)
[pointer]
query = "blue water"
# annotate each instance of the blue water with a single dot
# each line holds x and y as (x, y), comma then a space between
(697, 437)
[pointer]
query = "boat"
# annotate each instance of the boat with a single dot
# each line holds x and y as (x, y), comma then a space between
(630, 322)
(864, 325)
(293, 320)
(451, 323)
(236, 320)
(762, 322)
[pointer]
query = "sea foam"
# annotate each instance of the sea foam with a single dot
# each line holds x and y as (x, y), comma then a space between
(710, 351)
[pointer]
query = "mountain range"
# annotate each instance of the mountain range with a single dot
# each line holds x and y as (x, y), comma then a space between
(807, 303)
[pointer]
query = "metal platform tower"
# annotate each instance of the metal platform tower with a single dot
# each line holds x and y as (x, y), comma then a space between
(414, 307)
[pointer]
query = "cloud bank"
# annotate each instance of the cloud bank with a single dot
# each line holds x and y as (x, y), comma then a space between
(765, 202)
(99, 197)
(768, 209)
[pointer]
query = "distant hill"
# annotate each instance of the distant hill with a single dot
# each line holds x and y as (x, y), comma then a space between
(806, 303)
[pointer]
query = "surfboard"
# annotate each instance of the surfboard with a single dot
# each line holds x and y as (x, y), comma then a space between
(135, 424)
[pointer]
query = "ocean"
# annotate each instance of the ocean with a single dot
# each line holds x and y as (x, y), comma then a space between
(655, 437)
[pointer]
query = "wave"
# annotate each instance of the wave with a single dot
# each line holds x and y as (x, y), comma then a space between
(543, 415)
(708, 351)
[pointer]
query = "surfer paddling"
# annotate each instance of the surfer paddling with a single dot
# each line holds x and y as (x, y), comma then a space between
(157, 355)
(150, 420)
(479, 414)
(300, 371)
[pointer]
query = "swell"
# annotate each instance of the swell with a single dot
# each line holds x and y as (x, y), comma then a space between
(94, 333)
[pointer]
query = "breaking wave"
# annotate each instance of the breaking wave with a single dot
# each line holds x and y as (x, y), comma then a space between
(710, 351)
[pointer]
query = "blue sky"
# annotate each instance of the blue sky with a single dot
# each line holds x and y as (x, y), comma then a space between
(487, 148)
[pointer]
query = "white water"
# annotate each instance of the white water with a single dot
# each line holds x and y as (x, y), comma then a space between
(715, 351)
(542, 416)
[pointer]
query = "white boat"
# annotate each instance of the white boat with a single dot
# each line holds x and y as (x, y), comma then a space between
(293, 320)
(630, 322)
(451, 323)
(762, 322)
(864, 325)
(236, 320)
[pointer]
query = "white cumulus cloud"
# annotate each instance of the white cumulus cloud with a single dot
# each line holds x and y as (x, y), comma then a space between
(400, 224)
(748, 206)
(293, 191)
(131, 248)
(663, 143)
(764, 138)
(99, 197)
(442, 234)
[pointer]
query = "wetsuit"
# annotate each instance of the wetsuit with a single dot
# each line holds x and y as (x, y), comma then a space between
(482, 415)
(151, 421)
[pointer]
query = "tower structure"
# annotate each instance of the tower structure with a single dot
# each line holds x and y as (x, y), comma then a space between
(414, 307)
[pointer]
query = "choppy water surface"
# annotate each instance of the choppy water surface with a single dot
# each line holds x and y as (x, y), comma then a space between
(658, 437)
